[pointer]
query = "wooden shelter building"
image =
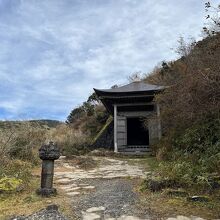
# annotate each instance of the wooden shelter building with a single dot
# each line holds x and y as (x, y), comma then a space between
(136, 115)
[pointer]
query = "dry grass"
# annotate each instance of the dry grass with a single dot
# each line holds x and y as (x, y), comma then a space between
(166, 206)
(27, 202)
(70, 140)
(22, 142)
(83, 162)
(19, 146)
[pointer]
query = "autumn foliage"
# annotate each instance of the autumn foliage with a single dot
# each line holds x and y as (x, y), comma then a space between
(190, 112)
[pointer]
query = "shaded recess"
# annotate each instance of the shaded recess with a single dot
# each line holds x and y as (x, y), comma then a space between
(136, 132)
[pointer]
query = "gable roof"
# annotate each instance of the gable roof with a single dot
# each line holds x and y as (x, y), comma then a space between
(139, 86)
(135, 92)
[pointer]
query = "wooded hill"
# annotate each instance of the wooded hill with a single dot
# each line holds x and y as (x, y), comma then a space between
(190, 113)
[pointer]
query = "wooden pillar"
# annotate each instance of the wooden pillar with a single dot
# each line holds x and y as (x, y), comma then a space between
(159, 122)
(115, 129)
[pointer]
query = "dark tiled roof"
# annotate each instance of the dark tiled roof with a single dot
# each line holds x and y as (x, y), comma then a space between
(139, 86)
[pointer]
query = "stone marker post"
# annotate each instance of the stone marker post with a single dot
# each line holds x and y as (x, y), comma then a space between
(48, 153)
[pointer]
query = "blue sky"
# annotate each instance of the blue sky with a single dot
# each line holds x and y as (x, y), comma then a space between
(53, 52)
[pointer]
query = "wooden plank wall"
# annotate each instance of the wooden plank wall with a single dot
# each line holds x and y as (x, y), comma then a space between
(122, 131)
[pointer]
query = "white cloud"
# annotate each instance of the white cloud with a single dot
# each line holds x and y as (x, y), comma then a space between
(54, 52)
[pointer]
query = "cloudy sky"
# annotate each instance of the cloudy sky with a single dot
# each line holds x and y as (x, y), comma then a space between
(53, 52)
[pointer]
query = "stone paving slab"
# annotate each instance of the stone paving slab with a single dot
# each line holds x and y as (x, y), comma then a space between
(105, 192)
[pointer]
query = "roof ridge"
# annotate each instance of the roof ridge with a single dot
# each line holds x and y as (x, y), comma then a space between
(133, 87)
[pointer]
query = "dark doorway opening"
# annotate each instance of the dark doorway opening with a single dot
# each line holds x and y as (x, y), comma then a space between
(137, 134)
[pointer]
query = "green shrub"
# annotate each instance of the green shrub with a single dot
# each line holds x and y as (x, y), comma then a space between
(184, 173)
(202, 138)
(16, 169)
(10, 184)
(190, 158)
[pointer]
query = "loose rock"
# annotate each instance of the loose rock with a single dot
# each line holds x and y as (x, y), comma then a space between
(198, 199)
(96, 209)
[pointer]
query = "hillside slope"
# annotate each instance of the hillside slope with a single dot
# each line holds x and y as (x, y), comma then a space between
(43, 123)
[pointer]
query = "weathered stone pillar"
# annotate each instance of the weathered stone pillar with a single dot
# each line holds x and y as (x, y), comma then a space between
(48, 153)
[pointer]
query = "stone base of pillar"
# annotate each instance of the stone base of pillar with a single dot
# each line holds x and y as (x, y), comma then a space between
(46, 192)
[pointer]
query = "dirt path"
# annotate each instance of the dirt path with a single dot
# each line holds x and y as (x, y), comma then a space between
(106, 192)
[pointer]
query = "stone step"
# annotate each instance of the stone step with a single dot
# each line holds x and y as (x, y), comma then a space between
(136, 146)
(134, 150)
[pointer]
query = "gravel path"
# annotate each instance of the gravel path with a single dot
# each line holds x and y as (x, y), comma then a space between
(115, 196)
(50, 213)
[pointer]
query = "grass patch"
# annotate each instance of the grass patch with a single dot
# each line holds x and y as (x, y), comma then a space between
(149, 163)
(152, 162)
(27, 202)
(165, 206)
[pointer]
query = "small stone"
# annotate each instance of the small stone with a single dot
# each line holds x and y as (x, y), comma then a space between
(73, 193)
(90, 216)
(198, 199)
(52, 207)
(73, 189)
(88, 187)
(96, 209)
(64, 181)
(155, 185)
(48, 201)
